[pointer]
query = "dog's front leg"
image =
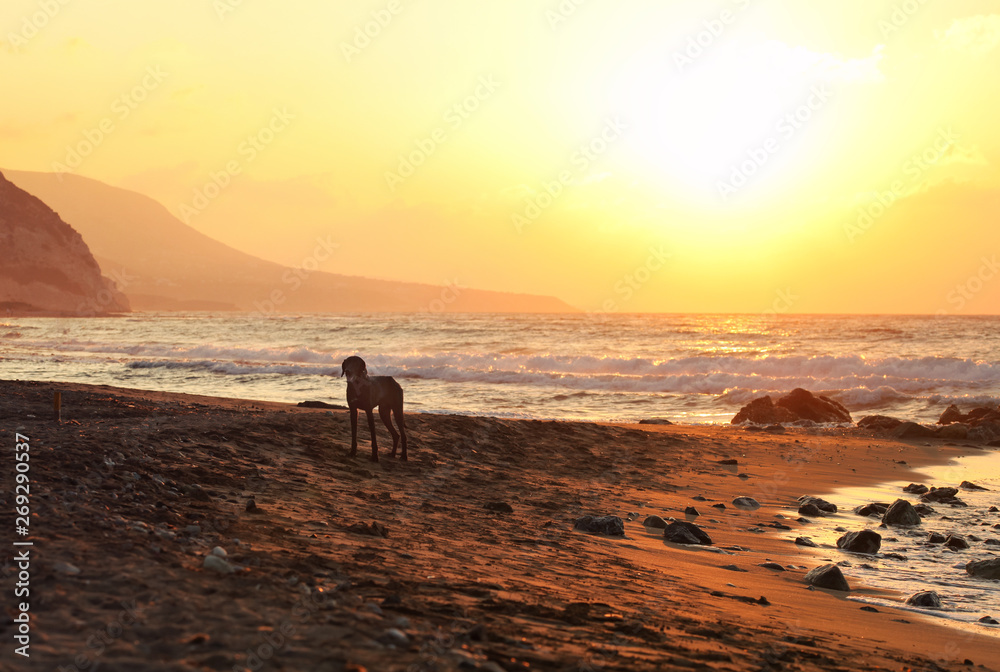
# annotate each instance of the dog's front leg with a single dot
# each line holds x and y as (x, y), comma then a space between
(354, 430)
(371, 428)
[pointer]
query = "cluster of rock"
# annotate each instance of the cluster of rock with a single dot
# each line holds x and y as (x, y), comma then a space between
(980, 424)
(795, 406)
(803, 407)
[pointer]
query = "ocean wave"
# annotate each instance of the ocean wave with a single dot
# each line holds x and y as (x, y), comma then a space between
(854, 380)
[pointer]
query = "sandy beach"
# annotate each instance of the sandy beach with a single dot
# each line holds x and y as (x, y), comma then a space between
(464, 557)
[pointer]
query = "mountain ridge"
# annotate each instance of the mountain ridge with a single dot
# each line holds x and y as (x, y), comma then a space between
(167, 265)
(47, 267)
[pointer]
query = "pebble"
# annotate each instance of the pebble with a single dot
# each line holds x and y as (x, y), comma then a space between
(691, 511)
(772, 565)
(193, 529)
(394, 637)
(805, 541)
(66, 568)
(217, 564)
(220, 551)
(746, 503)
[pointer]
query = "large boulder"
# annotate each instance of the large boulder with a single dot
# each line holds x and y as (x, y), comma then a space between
(950, 415)
(911, 430)
(762, 411)
(955, 432)
(798, 404)
(901, 512)
(807, 406)
(862, 541)
(683, 532)
(984, 569)
(827, 576)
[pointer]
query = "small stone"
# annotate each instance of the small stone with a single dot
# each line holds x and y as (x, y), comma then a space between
(691, 511)
(217, 564)
(730, 462)
(683, 532)
(957, 542)
(193, 529)
(821, 504)
(720, 506)
(966, 485)
(251, 505)
(772, 565)
(66, 568)
(220, 551)
(700, 498)
(733, 568)
(612, 526)
(926, 598)
(746, 503)
(989, 620)
(805, 541)
(916, 488)
(869, 608)
(872, 509)
(862, 541)
(810, 509)
(901, 512)
(654, 521)
(827, 576)
(394, 637)
(936, 538)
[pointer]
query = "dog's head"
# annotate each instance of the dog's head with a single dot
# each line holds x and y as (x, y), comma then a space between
(355, 369)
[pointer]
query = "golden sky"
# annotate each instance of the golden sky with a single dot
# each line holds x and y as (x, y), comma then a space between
(738, 155)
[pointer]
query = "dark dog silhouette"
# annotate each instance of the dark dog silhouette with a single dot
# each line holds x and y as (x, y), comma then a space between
(366, 392)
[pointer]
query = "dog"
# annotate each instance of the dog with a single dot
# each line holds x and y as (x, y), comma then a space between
(366, 392)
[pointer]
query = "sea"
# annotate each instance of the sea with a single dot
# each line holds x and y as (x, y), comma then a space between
(606, 367)
(693, 369)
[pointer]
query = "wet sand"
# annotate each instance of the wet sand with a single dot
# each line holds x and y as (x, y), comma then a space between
(481, 567)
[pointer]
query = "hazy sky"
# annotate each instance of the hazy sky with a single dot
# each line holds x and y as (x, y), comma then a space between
(738, 155)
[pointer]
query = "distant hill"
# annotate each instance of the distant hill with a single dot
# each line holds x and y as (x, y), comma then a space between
(160, 263)
(45, 266)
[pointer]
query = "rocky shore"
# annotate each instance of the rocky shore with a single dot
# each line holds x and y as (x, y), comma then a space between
(176, 532)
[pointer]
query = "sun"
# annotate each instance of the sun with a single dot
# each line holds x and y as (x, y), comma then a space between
(702, 124)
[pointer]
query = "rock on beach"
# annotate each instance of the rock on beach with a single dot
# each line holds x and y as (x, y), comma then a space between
(683, 532)
(612, 526)
(901, 512)
(827, 576)
(862, 541)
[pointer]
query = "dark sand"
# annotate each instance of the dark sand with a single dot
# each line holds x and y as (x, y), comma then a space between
(455, 585)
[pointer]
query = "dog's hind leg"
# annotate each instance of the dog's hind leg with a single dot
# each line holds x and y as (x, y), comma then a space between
(398, 412)
(384, 412)
(371, 428)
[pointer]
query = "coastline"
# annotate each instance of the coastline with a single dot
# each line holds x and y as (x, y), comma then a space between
(458, 578)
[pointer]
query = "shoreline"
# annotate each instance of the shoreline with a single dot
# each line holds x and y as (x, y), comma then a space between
(504, 573)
